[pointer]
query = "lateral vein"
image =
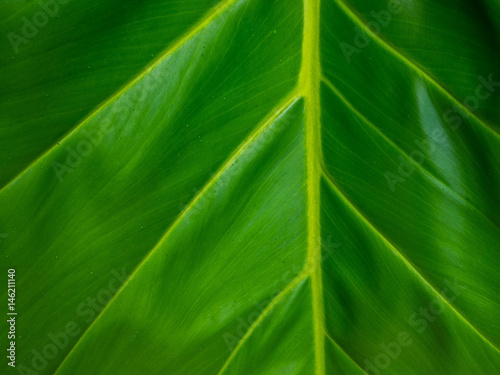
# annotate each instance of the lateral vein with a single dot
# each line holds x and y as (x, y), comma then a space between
(407, 61)
(287, 102)
(298, 279)
(216, 11)
(436, 180)
(400, 255)
(344, 352)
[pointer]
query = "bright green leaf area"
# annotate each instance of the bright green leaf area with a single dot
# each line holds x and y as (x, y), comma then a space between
(251, 186)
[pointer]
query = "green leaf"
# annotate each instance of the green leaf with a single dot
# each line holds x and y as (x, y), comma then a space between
(251, 186)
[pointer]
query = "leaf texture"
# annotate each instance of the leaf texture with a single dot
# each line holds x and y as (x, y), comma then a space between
(253, 187)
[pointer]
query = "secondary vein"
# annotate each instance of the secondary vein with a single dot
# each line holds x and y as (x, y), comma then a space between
(268, 121)
(216, 11)
(361, 216)
(293, 284)
(341, 350)
(412, 65)
(428, 174)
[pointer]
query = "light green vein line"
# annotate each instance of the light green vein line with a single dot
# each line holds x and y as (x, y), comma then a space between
(344, 352)
(302, 276)
(392, 50)
(398, 254)
(309, 85)
(266, 123)
(440, 183)
(214, 13)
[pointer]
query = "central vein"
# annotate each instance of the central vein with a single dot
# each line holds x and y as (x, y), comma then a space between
(310, 76)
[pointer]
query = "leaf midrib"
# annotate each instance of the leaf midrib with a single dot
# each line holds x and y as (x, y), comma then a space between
(308, 88)
(309, 85)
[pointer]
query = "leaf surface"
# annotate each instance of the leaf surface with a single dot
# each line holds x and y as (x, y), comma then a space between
(253, 187)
